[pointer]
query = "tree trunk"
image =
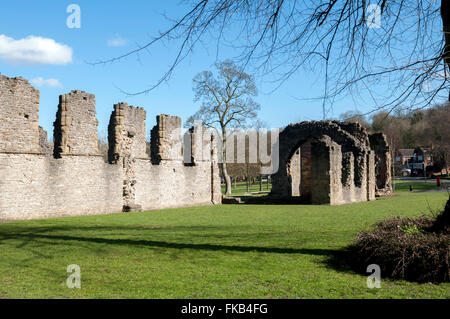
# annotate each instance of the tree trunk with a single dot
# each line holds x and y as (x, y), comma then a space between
(227, 178)
(445, 15)
(260, 183)
(224, 163)
(247, 178)
(446, 166)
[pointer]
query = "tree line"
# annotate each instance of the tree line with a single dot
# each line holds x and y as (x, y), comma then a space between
(412, 128)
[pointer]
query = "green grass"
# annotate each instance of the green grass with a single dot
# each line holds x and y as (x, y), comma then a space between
(400, 186)
(240, 188)
(228, 251)
(403, 186)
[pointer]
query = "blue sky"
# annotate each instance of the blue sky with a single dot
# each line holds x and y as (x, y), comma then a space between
(110, 28)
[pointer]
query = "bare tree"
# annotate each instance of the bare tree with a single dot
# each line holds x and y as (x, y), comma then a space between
(409, 50)
(354, 117)
(226, 103)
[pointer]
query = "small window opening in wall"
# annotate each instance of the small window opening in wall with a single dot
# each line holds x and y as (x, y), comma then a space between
(27, 116)
(85, 98)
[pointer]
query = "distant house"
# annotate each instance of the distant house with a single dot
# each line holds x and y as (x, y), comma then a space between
(423, 156)
(414, 159)
(403, 156)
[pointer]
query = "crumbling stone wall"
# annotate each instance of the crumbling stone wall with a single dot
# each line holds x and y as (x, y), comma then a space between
(126, 133)
(294, 173)
(300, 171)
(186, 178)
(165, 142)
(337, 162)
(73, 179)
(348, 177)
(39, 186)
(383, 168)
(198, 145)
(34, 184)
(75, 127)
(45, 146)
(127, 143)
(326, 171)
(200, 149)
(306, 170)
(216, 190)
(19, 116)
(371, 179)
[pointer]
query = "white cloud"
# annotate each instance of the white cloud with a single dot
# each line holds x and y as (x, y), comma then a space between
(53, 83)
(117, 42)
(34, 50)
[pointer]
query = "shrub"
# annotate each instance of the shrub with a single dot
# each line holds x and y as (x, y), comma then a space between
(405, 248)
(442, 222)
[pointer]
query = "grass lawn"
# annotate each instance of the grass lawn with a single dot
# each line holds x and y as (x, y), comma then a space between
(229, 251)
(240, 188)
(400, 186)
(403, 186)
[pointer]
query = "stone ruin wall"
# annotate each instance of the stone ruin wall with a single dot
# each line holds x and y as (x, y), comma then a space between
(190, 173)
(295, 172)
(45, 146)
(127, 144)
(75, 127)
(339, 163)
(72, 179)
(164, 142)
(306, 169)
(19, 106)
(383, 164)
(41, 179)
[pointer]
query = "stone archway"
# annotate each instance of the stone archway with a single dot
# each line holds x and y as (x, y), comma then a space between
(299, 170)
(337, 163)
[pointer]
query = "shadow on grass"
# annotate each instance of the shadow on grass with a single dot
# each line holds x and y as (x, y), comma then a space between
(342, 260)
(337, 259)
(163, 244)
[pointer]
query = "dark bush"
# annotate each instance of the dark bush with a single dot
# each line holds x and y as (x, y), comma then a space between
(412, 249)
(442, 222)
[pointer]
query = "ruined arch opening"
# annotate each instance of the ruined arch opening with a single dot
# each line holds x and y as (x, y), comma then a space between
(340, 164)
(300, 171)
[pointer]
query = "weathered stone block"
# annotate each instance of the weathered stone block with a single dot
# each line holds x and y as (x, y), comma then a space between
(383, 168)
(75, 128)
(165, 143)
(19, 116)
